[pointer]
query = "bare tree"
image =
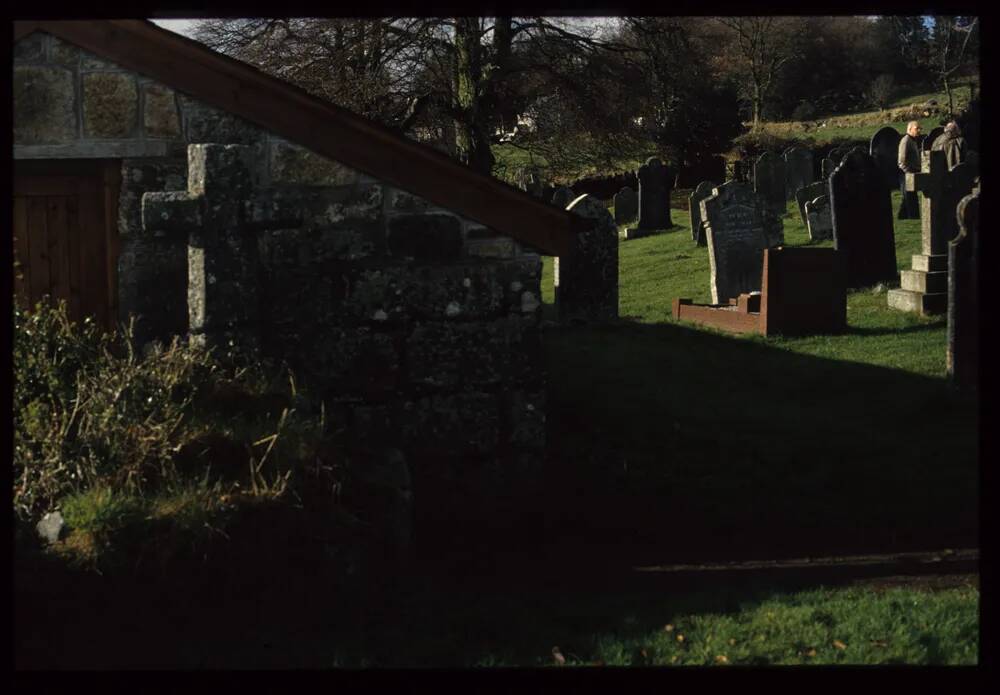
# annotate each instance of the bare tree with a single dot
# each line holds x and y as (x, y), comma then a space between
(953, 48)
(761, 47)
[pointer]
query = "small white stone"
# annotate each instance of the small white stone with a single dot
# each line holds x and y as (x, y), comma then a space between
(453, 309)
(164, 216)
(516, 286)
(466, 282)
(530, 407)
(211, 279)
(380, 315)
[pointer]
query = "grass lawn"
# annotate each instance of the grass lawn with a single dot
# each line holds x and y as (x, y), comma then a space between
(667, 443)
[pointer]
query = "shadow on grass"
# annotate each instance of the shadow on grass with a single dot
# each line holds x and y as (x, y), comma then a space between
(667, 443)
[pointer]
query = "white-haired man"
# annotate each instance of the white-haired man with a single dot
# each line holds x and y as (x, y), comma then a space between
(909, 163)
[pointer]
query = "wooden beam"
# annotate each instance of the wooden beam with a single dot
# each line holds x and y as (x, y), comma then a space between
(322, 127)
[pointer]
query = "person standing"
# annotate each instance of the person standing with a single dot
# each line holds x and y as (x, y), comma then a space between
(952, 143)
(909, 163)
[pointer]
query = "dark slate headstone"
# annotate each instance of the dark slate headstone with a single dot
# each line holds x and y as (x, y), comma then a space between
(826, 167)
(884, 148)
(769, 181)
(654, 195)
(798, 170)
(626, 205)
(818, 220)
(562, 197)
(837, 154)
(703, 190)
(963, 296)
(862, 220)
(925, 144)
(586, 278)
(807, 193)
(735, 229)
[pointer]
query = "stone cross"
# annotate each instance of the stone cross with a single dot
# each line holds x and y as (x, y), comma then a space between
(924, 288)
(586, 278)
(962, 357)
(654, 195)
(734, 227)
(703, 190)
(222, 253)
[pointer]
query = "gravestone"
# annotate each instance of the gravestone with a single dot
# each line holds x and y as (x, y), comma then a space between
(884, 148)
(798, 170)
(962, 359)
(818, 220)
(734, 221)
(925, 144)
(739, 173)
(807, 193)
(654, 195)
(769, 181)
(924, 288)
(626, 205)
(562, 197)
(837, 154)
(861, 210)
(586, 278)
(827, 166)
(703, 190)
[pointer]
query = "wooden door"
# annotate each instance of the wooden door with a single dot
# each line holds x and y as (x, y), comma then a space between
(65, 235)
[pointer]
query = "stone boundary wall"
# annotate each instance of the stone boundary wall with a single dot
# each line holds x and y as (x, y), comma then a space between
(420, 329)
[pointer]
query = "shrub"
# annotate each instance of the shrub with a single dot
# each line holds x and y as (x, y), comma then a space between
(88, 410)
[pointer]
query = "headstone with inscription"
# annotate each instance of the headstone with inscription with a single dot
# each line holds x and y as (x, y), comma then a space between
(769, 181)
(654, 195)
(626, 205)
(861, 209)
(818, 219)
(884, 147)
(962, 358)
(734, 226)
(703, 190)
(798, 170)
(807, 193)
(925, 288)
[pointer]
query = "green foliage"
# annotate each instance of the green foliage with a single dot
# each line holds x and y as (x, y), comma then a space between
(102, 511)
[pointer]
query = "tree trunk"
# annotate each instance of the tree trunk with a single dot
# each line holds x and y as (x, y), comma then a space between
(471, 136)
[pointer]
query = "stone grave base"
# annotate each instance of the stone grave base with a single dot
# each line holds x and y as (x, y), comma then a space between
(803, 292)
(924, 289)
(925, 304)
(637, 233)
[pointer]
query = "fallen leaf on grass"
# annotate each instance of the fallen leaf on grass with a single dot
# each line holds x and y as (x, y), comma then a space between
(838, 644)
(732, 642)
(722, 659)
(811, 652)
(680, 638)
(668, 628)
(880, 643)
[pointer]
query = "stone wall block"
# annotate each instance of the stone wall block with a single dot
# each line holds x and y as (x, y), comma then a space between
(140, 176)
(30, 49)
(160, 117)
(205, 124)
(62, 53)
(460, 424)
(220, 172)
(430, 237)
(177, 211)
(44, 105)
(292, 164)
(110, 105)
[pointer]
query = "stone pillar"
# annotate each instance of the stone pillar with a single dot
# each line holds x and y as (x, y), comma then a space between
(222, 251)
(962, 358)
(924, 289)
(586, 279)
